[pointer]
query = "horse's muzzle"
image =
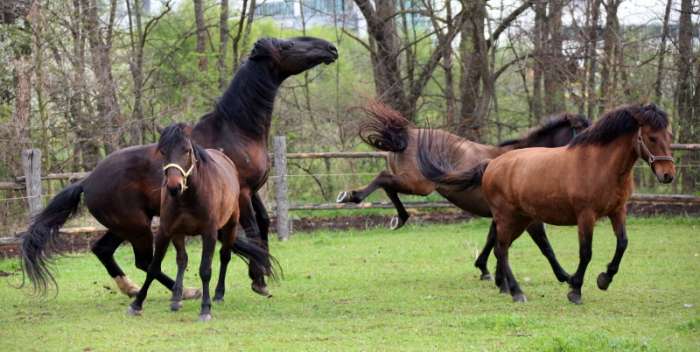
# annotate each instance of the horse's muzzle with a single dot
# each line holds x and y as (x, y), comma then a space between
(175, 190)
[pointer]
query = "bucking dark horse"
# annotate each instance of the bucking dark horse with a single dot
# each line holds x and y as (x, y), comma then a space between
(386, 129)
(123, 191)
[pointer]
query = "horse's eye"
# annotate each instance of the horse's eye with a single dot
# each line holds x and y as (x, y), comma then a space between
(652, 139)
(287, 46)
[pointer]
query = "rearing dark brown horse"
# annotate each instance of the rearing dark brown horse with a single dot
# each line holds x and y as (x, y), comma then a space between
(578, 184)
(123, 191)
(386, 129)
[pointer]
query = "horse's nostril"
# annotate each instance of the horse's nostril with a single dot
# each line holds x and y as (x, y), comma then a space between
(333, 49)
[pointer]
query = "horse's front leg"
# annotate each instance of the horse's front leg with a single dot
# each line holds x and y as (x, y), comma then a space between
(208, 245)
(586, 222)
(181, 259)
(162, 242)
(618, 224)
(227, 236)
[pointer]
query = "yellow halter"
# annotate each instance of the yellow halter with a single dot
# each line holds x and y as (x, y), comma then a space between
(185, 174)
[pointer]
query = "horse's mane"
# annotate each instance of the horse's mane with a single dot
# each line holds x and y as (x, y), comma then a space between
(174, 135)
(622, 121)
(248, 101)
(555, 122)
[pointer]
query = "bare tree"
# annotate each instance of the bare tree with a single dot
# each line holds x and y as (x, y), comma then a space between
(201, 34)
(223, 44)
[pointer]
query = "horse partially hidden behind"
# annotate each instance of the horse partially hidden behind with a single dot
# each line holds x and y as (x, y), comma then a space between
(386, 129)
(123, 191)
(578, 184)
(199, 196)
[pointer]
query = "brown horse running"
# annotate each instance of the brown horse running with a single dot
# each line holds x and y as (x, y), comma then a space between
(578, 184)
(199, 196)
(386, 129)
(123, 191)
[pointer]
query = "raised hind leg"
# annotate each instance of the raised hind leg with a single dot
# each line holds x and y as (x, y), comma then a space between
(104, 249)
(208, 244)
(508, 230)
(585, 221)
(538, 235)
(618, 224)
(392, 185)
(181, 259)
(162, 242)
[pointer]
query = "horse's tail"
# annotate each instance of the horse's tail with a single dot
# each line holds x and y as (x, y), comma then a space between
(384, 128)
(256, 255)
(438, 162)
(39, 243)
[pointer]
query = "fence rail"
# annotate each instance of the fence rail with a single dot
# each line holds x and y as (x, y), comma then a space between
(33, 191)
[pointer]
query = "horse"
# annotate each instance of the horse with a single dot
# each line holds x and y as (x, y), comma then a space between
(201, 200)
(577, 184)
(123, 191)
(386, 129)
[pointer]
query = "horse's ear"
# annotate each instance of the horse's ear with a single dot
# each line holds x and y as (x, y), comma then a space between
(187, 129)
(259, 51)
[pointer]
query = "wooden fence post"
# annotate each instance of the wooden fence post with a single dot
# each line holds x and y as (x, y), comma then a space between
(31, 160)
(279, 154)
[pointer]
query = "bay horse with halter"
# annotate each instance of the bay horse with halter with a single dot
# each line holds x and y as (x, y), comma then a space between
(386, 129)
(578, 184)
(199, 196)
(123, 191)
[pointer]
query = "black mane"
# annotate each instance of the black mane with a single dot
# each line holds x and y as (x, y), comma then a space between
(622, 121)
(174, 135)
(248, 101)
(574, 121)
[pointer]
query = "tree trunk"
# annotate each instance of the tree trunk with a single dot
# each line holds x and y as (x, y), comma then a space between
(610, 42)
(201, 34)
(223, 45)
(554, 74)
(592, 55)
(474, 62)
(658, 94)
(538, 67)
(687, 118)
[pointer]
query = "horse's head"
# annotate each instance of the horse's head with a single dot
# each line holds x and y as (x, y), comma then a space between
(654, 141)
(287, 57)
(179, 158)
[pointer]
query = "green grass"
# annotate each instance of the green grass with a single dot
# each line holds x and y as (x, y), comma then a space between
(414, 289)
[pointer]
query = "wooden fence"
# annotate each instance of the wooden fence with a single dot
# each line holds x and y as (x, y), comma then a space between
(31, 183)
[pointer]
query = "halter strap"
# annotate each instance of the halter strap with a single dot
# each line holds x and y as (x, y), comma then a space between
(651, 158)
(185, 174)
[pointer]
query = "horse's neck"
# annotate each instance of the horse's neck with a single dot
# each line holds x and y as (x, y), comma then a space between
(246, 107)
(619, 156)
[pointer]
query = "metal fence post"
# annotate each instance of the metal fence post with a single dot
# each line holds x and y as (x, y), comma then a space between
(31, 160)
(279, 146)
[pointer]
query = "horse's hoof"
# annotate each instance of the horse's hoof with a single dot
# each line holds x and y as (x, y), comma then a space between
(175, 306)
(261, 290)
(486, 277)
(603, 281)
(396, 223)
(218, 298)
(191, 293)
(126, 286)
(133, 311)
(574, 297)
(503, 289)
(205, 317)
(519, 297)
(342, 197)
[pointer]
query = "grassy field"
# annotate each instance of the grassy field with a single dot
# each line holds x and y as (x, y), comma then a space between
(414, 289)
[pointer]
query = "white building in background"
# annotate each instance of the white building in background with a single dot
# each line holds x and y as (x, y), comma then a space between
(296, 14)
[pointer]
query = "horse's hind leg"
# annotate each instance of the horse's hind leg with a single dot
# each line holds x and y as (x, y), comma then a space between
(507, 232)
(104, 249)
(248, 220)
(585, 222)
(208, 244)
(181, 259)
(152, 271)
(482, 261)
(227, 236)
(618, 224)
(538, 235)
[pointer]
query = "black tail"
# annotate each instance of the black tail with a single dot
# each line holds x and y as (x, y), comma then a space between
(39, 243)
(437, 160)
(384, 128)
(256, 255)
